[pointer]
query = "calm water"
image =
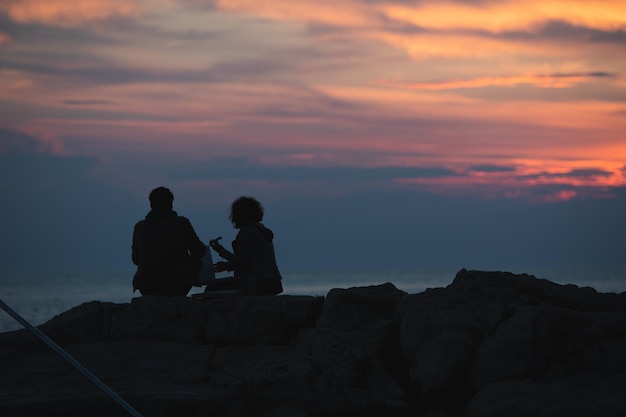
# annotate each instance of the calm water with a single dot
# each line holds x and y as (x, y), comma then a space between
(38, 298)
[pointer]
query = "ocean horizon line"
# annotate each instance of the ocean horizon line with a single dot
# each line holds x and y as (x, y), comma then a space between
(39, 298)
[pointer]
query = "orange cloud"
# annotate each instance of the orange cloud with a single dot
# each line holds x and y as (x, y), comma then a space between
(598, 116)
(493, 16)
(65, 13)
(504, 16)
(534, 172)
(545, 81)
(429, 45)
(449, 24)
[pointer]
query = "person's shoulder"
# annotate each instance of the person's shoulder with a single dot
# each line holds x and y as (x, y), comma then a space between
(182, 220)
(140, 223)
(256, 229)
(248, 227)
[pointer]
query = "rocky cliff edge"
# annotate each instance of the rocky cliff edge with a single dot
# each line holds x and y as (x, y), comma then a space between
(489, 344)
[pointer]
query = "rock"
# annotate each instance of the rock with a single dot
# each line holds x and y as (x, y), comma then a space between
(489, 344)
(571, 398)
(439, 344)
(160, 318)
(264, 320)
(358, 308)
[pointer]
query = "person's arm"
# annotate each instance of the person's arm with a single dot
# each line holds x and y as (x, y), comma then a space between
(221, 250)
(221, 266)
(241, 258)
(243, 245)
(194, 245)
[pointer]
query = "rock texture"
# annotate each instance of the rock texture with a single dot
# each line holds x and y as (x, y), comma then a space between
(489, 344)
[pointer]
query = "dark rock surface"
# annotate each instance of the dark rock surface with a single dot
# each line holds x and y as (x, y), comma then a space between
(489, 344)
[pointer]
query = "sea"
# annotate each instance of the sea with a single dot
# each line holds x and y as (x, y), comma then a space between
(39, 297)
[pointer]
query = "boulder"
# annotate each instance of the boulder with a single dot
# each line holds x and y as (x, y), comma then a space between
(438, 343)
(358, 308)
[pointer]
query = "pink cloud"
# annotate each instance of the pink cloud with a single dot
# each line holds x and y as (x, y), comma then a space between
(523, 182)
(560, 196)
(293, 84)
(32, 140)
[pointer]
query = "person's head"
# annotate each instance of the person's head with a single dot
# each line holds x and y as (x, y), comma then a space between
(161, 197)
(245, 210)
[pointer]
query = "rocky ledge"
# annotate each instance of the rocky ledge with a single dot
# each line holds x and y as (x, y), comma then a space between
(489, 344)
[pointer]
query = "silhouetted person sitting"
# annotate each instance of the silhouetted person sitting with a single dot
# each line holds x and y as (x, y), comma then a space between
(253, 259)
(166, 249)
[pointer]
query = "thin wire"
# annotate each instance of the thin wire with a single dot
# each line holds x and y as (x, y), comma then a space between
(70, 359)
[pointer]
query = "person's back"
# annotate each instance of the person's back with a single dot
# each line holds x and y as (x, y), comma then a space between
(254, 252)
(165, 249)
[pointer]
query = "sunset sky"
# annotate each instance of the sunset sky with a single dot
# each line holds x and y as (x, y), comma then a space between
(376, 133)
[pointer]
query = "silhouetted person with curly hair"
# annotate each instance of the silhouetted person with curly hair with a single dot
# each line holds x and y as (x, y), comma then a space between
(165, 249)
(252, 260)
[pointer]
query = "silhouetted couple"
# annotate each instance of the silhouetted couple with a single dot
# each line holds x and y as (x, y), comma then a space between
(168, 252)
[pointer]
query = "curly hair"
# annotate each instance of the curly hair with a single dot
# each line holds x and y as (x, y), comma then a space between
(245, 210)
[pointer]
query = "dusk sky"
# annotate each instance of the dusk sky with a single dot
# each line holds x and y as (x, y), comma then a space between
(377, 133)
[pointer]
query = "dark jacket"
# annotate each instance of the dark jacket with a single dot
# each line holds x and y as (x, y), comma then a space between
(163, 246)
(253, 253)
